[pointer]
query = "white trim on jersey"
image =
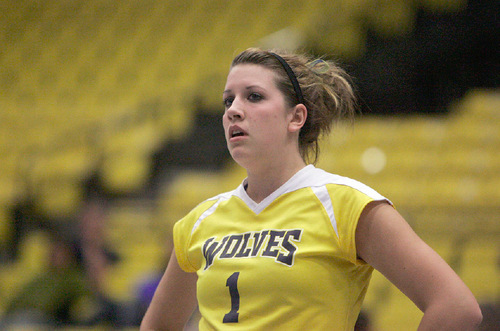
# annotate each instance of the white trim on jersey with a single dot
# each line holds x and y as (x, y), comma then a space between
(322, 194)
(309, 176)
(210, 210)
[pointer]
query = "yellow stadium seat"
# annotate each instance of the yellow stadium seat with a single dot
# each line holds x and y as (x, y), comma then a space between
(398, 313)
(480, 269)
(143, 250)
(59, 198)
(125, 172)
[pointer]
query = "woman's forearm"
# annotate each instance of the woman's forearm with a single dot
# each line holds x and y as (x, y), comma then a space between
(451, 316)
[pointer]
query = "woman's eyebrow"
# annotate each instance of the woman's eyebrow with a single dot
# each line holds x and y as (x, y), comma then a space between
(252, 86)
(246, 88)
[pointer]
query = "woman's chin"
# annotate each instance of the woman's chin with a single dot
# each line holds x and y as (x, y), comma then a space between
(241, 157)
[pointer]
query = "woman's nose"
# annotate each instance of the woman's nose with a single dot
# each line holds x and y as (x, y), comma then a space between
(234, 112)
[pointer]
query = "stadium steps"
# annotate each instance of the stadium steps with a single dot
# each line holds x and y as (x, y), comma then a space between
(187, 190)
(480, 267)
(62, 58)
(135, 232)
(396, 313)
(32, 260)
(474, 258)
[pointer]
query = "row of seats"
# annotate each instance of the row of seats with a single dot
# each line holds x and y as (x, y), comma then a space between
(101, 84)
(474, 258)
(456, 154)
(100, 57)
(426, 161)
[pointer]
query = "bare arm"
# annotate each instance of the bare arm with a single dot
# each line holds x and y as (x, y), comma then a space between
(387, 242)
(174, 299)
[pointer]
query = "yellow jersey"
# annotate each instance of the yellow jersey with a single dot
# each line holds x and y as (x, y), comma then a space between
(288, 262)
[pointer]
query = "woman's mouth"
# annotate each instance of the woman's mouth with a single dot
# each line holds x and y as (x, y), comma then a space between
(236, 133)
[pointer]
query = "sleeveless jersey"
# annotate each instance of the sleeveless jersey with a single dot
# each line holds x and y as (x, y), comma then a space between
(288, 262)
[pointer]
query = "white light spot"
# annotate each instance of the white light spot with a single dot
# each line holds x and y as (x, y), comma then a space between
(468, 189)
(373, 160)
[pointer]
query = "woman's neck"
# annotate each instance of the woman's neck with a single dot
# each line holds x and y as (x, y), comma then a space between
(267, 179)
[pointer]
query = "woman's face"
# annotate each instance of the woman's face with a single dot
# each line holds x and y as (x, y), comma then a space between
(256, 118)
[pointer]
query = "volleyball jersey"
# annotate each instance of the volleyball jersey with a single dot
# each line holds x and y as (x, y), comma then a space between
(288, 262)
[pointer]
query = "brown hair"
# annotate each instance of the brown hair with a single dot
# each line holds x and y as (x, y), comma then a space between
(328, 94)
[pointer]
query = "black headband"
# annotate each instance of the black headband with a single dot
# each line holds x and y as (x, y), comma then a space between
(291, 76)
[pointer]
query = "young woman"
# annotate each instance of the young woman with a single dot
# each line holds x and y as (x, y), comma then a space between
(293, 247)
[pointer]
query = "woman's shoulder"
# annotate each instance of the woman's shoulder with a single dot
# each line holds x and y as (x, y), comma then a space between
(207, 205)
(320, 178)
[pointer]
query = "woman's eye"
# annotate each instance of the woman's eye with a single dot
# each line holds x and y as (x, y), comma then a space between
(228, 102)
(254, 97)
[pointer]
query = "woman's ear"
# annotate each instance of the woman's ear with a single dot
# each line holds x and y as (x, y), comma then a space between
(298, 119)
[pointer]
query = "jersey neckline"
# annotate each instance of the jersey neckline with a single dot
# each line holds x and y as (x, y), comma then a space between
(290, 185)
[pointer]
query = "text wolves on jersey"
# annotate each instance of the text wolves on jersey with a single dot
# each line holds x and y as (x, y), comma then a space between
(277, 244)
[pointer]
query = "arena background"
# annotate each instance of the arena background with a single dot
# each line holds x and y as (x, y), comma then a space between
(110, 110)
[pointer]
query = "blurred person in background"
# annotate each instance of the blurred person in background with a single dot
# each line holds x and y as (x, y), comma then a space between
(98, 257)
(51, 297)
(293, 246)
(71, 289)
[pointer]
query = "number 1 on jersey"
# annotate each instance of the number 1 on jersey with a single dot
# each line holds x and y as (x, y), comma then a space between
(232, 283)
